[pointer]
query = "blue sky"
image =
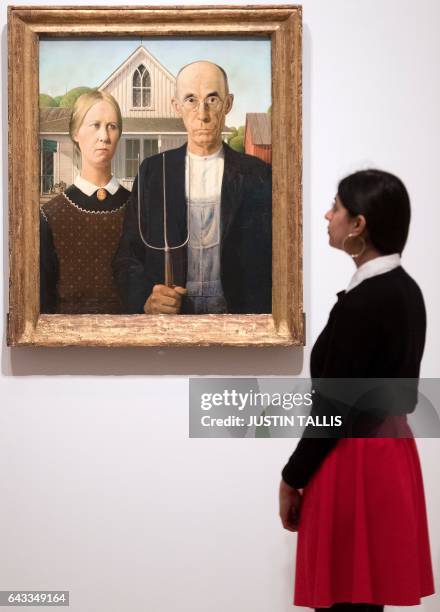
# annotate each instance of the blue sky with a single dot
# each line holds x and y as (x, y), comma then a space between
(68, 63)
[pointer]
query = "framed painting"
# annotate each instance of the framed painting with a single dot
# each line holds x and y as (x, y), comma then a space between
(155, 167)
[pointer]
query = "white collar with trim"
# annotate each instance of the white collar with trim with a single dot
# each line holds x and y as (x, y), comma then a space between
(89, 188)
(374, 267)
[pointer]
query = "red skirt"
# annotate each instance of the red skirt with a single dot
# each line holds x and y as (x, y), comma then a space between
(363, 534)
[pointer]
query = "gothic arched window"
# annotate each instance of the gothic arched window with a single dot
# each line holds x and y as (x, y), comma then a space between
(141, 87)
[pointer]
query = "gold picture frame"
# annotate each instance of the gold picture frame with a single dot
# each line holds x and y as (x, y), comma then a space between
(26, 326)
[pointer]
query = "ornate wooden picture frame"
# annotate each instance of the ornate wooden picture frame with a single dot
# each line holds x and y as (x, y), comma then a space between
(26, 325)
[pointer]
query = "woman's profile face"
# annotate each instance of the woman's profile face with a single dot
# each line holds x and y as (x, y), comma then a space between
(340, 223)
(98, 135)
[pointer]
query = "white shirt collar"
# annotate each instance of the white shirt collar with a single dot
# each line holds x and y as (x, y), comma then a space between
(217, 154)
(374, 267)
(89, 188)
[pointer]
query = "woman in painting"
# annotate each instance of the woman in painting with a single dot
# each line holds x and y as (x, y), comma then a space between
(358, 502)
(80, 228)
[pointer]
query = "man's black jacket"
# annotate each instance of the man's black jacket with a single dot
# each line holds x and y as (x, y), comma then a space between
(246, 232)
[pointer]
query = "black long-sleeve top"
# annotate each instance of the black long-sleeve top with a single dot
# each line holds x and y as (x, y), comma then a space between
(376, 330)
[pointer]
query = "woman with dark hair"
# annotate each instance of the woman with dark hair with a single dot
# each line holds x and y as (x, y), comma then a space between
(358, 502)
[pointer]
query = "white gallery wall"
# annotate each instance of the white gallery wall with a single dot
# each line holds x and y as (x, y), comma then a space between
(101, 491)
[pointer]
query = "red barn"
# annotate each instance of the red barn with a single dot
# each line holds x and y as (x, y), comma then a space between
(257, 136)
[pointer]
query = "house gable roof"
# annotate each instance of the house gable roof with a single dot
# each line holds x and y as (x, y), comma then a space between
(139, 54)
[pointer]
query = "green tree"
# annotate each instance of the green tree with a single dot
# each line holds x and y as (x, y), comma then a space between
(58, 99)
(46, 101)
(236, 139)
(69, 99)
(233, 135)
(237, 144)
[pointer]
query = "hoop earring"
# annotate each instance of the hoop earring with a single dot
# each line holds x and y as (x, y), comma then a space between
(354, 255)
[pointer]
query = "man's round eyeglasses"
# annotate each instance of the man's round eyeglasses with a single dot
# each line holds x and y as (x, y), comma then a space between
(210, 102)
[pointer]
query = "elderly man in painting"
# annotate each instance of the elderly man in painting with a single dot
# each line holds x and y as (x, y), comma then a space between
(80, 228)
(198, 227)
